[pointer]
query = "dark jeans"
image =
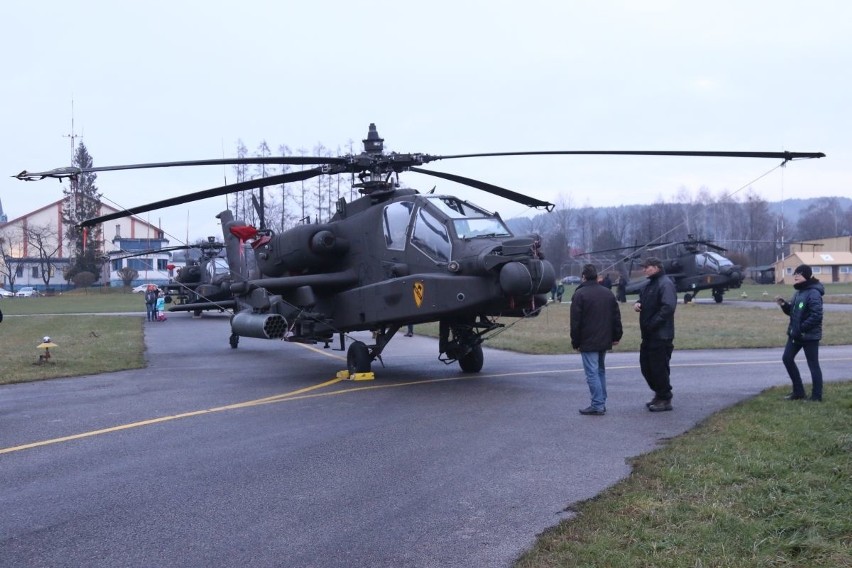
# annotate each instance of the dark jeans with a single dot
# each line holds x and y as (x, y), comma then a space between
(654, 357)
(812, 355)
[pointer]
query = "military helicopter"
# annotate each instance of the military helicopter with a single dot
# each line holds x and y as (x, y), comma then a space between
(696, 265)
(203, 283)
(392, 257)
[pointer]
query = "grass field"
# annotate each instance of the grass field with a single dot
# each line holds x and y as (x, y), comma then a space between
(763, 484)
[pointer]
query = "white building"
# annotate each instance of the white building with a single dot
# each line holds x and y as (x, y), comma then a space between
(21, 260)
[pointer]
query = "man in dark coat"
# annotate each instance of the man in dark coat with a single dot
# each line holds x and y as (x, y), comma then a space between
(595, 328)
(656, 307)
(804, 331)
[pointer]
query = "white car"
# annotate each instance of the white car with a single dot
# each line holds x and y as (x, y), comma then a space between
(141, 289)
(26, 292)
(4, 293)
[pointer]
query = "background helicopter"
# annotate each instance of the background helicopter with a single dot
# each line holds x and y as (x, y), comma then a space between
(693, 265)
(389, 258)
(203, 283)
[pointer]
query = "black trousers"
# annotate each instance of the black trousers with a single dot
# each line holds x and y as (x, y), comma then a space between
(654, 358)
(811, 349)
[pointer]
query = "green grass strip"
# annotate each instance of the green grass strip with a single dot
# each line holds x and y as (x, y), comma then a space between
(767, 483)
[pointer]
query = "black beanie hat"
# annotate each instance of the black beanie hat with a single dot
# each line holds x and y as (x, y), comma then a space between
(804, 270)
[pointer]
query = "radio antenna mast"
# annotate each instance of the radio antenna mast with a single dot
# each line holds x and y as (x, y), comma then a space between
(73, 136)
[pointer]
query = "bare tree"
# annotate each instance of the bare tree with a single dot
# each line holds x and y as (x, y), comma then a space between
(45, 241)
(128, 275)
(241, 211)
(11, 252)
(825, 218)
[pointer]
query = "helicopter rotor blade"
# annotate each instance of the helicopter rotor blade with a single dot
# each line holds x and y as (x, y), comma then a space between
(70, 172)
(127, 254)
(502, 192)
(659, 246)
(786, 156)
(214, 192)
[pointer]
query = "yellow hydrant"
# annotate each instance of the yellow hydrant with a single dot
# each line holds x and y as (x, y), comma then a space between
(45, 344)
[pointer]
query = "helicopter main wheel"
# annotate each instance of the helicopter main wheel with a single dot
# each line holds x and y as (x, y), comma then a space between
(234, 340)
(718, 296)
(197, 313)
(358, 358)
(472, 361)
(687, 298)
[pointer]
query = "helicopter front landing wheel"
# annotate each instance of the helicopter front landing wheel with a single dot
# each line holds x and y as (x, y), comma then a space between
(472, 361)
(358, 358)
(687, 298)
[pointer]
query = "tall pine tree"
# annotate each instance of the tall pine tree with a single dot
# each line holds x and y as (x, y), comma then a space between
(82, 201)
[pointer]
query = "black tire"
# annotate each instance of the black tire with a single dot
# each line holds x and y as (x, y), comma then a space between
(358, 358)
(197, 313)
(234, 340)
(472, 361)
(718, 298)
(687, 298)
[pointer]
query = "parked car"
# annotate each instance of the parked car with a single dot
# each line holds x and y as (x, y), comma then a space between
(140, 289)
(4, 293)
(26, 292)
(571, 280)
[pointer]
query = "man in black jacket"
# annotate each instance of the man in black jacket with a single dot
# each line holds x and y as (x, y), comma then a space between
(595, 328)
(804, 331)
(656, 307)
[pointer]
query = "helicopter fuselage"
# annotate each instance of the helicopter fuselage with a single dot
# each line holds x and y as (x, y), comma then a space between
(407, 259)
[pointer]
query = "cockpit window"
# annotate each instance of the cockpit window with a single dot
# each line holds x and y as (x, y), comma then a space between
(217, 267)
(470, 221)
(431, 237)
(395, 219)
(712, 259)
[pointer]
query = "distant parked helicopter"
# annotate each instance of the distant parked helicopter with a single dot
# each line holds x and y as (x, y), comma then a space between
(387, 259)
(693, 267)
(201, 284)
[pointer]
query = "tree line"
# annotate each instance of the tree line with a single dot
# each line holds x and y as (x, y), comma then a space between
(746, 226)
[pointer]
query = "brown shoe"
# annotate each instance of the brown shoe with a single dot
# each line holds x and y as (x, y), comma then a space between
(660, 406)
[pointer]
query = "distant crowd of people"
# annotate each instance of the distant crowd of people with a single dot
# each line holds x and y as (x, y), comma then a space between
(155, 303)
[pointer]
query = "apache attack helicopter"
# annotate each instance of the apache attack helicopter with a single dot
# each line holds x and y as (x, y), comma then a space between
(203, 283)
(387, 259)
(693, 267)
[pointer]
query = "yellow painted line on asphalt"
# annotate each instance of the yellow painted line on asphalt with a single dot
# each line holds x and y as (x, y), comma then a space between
(266, 400)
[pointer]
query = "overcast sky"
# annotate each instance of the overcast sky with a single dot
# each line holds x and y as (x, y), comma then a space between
(177, 80)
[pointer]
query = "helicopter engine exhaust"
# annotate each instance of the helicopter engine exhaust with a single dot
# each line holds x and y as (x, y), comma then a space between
(259, 326)
(305, 247)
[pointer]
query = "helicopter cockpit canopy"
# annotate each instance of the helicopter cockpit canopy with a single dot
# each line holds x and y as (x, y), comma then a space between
(217, 267)
(712, 260)
(469, 220)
